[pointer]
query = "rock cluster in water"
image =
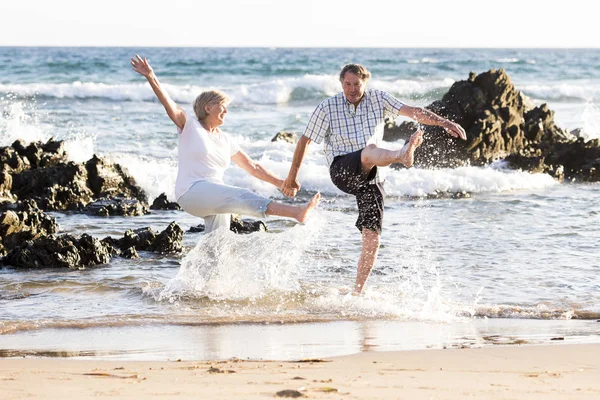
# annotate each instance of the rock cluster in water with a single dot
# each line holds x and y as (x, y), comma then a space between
(38, 177)
(501, 123)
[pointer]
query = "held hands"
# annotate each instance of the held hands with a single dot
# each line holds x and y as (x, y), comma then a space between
(290, 187)
(455, 130)
(141, 66)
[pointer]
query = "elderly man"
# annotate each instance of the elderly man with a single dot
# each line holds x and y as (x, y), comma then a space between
(351, 125)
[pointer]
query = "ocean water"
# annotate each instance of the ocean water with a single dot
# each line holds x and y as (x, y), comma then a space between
(518, 257)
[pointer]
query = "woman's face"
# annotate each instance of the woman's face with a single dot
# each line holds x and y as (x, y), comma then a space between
(216, 112)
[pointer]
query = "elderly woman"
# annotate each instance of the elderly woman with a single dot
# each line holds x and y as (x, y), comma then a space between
(205, 151)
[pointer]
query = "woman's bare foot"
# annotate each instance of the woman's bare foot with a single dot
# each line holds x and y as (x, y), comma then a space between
(407, 153)
(308, 207)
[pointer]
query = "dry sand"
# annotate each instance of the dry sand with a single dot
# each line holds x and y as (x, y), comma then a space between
(560, 371)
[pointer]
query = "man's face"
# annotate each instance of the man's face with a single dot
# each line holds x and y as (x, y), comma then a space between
(354, 87)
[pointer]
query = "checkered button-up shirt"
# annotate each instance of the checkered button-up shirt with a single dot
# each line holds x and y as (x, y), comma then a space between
(346, 129)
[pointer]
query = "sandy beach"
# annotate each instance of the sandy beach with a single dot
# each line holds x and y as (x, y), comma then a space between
(504, 372)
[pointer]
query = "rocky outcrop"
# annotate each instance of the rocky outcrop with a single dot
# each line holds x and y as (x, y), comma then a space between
(25, 222)
(283, 136)
(58, 188)
(237, 225)
(107, 179)
(64, 251)
(161, 203)
(500, 123)
(116, 206)
(145, 239)
(67, 251)
(42, 172)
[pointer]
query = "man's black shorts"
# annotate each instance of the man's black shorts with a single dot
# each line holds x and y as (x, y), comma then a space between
(346, 173)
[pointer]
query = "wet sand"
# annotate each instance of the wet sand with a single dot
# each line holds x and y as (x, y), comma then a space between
(559, 371)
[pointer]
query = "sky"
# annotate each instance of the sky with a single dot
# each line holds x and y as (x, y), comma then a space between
(299, 23)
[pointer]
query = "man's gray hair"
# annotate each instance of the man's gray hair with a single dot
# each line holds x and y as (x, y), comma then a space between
(356, 69)
(208, 98)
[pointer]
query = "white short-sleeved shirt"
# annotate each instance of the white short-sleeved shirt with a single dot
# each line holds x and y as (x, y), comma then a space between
(346, 129)
(202, 155)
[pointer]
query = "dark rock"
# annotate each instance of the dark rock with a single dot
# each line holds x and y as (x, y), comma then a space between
(490, 110)
(58, 188)
(116, 206)
(140, 239)
(500, 123)
(11, 160)
(64, 251)
(534, 164)
(290, 137)
(541, 130)
(6, 185)
(145, 239)
(393, 132)
(130, 252)
(242, 226)
(41, 171)
(30, 223)
(169, 240)
(92, 251)
(197, 229)
(161, 203)
(107, 179)
(238, 225)
(580, 159)
(42, 155)
(289, 393)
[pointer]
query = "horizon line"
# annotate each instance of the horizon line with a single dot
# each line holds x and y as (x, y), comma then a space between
(305, 47)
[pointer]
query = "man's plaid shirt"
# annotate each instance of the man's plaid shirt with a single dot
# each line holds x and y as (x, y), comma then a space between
(346, 130)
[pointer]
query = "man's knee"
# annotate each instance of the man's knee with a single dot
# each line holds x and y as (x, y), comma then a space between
(370, 237)
(371, 230)
(367, 155)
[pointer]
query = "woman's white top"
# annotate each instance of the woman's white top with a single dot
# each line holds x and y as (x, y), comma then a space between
(202, 155)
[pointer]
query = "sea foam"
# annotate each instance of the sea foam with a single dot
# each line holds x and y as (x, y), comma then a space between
(273, 91)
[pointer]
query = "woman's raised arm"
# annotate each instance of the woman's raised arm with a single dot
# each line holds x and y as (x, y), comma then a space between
(176, 113)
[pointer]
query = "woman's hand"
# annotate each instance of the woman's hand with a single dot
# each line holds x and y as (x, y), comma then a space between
(141, 66)
(176, 113)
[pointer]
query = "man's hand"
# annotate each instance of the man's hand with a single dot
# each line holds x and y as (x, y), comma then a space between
(455, 130)
(290, 187)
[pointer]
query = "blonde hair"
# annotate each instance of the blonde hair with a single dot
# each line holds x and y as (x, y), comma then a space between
(208, 98)
(356, 69)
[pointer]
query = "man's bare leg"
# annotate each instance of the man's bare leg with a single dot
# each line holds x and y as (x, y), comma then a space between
(372, 155)
(298, 213)
(368, 256)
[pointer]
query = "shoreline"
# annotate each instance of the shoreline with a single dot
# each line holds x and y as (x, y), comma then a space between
(288, 341)
(504, 372)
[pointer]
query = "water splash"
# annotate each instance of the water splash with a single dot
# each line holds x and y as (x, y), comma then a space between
(589, 117)
(226, 266)
(20, 121)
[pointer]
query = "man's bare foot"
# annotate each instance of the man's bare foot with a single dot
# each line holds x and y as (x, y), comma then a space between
(308, 207)
(407, 153)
